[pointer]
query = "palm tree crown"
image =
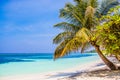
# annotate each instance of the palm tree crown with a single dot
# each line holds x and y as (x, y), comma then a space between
(79, 30)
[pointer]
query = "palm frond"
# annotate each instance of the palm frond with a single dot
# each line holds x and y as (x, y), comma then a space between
(93, 3)
(71, 14)
(116, 11)
(85, 34)
(67, 26)
(62, 36)
(72, 46)
(105, 6)
(59, 49)
(77, 1)
(81, 6)
(80, 40)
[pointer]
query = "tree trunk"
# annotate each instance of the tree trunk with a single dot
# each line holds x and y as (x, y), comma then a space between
(117, 57)
(106, 61)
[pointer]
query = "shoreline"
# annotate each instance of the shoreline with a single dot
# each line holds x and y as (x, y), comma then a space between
(54, 75)
(68, 74)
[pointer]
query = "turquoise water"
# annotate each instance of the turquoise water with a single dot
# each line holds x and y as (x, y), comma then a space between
(41, 63)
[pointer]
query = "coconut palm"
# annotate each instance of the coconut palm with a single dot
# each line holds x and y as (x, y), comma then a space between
(79, 30)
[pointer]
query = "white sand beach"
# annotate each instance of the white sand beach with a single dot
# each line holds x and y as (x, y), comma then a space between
(81, 72)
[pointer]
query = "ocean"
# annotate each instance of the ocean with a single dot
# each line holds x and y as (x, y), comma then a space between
(22, 63)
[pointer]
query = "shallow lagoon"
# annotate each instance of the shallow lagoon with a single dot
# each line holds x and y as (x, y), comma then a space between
(17, 64)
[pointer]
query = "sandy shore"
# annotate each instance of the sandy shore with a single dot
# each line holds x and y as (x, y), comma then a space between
(92, 71)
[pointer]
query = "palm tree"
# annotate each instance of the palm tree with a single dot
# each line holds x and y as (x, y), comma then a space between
(79, 30)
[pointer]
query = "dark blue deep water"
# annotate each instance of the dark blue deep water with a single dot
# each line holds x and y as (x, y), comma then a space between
(30, 57)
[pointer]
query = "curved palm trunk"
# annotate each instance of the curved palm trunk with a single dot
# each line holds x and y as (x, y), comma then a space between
(117, 57)
(106, 61)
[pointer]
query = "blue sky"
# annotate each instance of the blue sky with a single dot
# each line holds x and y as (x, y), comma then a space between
(27, 25)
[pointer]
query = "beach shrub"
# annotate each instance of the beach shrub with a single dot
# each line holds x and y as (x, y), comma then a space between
(109, 32)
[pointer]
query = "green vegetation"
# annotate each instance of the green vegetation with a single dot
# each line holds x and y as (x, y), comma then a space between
(109, 32)
(79, 30)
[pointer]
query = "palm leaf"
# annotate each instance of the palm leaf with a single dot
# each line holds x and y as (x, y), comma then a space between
(59, 49)
(85, 34)
(93, 3)
(67, 26)
(72, 45)
(62, 36)
(105, 6)
(71, 13)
